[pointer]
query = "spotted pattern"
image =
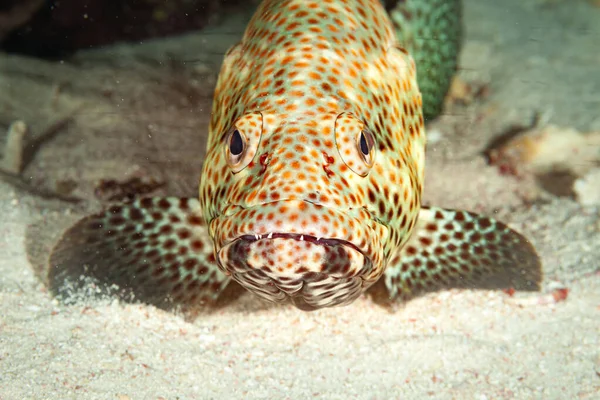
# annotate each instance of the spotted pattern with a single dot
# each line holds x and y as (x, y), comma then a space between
(312, 182)
(156, 248)
(325, 76)
(432, 32)
(459, 249)
(288, 262)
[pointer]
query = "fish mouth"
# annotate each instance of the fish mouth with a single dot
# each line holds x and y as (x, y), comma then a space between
(301, 237)
(312, 264)
(311, 273)
(294, 219)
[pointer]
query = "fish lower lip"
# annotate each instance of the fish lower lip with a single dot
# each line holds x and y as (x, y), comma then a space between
(301, 237)
(306, 294)
(310, 271)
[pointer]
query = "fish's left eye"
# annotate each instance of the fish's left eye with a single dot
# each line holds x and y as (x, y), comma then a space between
(366, 142)
(356, 143)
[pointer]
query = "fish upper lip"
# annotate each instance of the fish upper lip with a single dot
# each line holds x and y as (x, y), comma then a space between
(301, 237)
(232, 234)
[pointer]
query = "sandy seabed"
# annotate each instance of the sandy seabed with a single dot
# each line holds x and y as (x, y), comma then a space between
(132, 112)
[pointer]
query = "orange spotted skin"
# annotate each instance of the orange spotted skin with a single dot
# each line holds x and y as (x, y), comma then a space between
(314, 167)
(312, 183)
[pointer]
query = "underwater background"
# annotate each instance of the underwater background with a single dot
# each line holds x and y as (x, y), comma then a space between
(104, 100)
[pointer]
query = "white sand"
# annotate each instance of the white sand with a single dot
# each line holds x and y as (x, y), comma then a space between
(450, 345)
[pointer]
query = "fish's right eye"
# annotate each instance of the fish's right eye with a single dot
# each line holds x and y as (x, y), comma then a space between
(236, 143)
(242, 140)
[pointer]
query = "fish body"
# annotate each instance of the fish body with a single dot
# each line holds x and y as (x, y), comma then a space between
(328, 109)
(432, 33)
(312, 183)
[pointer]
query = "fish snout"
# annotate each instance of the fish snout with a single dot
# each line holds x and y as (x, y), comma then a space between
(296, 250)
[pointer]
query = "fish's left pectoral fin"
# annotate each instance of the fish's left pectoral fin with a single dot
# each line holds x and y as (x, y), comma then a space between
(459, 249)
(153, 250)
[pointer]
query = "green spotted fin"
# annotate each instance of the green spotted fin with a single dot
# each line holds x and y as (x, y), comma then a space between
(156, 249)
(459, 249)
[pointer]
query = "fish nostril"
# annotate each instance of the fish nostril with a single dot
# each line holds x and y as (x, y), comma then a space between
(327, 163)
(264, 161)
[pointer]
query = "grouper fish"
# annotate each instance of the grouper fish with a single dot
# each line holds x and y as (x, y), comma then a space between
(312, 183)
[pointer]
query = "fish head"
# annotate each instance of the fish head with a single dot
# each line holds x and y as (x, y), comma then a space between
(292, 202)
(314, 162)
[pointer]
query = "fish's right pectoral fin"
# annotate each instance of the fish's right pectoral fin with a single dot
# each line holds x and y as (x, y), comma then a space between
(459, 249)
(156, 249)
